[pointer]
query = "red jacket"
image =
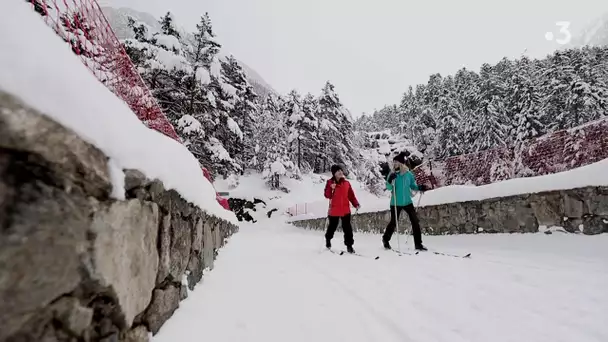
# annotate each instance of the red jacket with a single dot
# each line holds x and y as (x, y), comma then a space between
(340, 199)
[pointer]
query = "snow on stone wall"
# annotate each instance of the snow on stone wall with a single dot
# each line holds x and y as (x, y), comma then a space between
(78, 264)
(581, 210)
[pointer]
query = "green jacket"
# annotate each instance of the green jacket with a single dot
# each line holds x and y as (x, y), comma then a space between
(404, 184)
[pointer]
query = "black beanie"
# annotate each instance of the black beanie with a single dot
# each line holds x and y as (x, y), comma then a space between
(335, 168)
(400, 158)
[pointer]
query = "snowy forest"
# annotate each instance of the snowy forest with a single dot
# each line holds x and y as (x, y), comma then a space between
(501, 105)
(224, 123)
(231, 129)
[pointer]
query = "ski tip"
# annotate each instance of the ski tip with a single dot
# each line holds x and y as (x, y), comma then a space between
(467, 256)
(341, 252)
(376, 258)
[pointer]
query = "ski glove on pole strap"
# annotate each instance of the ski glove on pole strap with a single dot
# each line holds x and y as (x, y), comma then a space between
(392, 177)
(423, 188)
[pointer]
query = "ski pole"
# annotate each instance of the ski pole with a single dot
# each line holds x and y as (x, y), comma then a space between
(419, 199)
(328, 210)
(411, 230)
(396, 218)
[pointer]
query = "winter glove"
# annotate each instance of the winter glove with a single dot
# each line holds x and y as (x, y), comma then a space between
(392, 177)
(423, 188)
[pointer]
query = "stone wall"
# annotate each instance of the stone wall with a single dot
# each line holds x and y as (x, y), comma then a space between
(577, 210)
(76, 264)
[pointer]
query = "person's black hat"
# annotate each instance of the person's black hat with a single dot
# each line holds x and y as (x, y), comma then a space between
(400, 158)
(335, 168)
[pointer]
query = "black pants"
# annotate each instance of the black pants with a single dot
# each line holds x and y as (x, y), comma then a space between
(411, 212)
(346, 227)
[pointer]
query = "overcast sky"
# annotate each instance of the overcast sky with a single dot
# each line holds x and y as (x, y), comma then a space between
(373, 50)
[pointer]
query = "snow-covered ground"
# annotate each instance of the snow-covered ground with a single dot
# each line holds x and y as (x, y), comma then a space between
(306, 195)
(274, 282)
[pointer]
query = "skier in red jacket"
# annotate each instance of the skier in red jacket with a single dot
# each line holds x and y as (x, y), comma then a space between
(340, 194)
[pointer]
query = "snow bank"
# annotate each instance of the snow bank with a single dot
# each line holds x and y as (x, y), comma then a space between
(60, 86)
(590, 175)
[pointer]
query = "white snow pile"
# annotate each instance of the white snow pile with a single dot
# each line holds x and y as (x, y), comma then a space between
(590, 175)
(216, 68)
(189, 124)
(234, 128)
(228, 89)
(202, 75)
(218, 149)
(60, 86)
(163, 59)
(278, 168)
(168, 41)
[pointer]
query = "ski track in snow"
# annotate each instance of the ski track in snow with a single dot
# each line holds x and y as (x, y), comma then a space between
(274, 282)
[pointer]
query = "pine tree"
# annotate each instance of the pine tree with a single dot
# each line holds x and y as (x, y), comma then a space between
(240, 94)
(408, 112)
(490, 130)
(336, 125)
(525, 104)
(271, 133)
(448, 141)
(201, 97)
(292, 112)
(163, 68)
(557, 80)
(308, 134)
(167, 26)
(187, 79)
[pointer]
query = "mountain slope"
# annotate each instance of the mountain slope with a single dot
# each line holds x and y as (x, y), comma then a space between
(117, 17)
(595, 33)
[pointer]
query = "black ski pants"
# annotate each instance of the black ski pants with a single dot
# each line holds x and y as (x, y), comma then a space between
(347, 228)
(411, 212)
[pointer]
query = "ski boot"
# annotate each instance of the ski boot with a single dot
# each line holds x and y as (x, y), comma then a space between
(327, 243)
(421, 248)
(386, 244)
(350, 249)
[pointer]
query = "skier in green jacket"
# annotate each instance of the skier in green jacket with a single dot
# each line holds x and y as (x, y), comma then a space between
(400, 182)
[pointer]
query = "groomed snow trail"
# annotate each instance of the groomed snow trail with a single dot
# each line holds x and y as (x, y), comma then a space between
(274, 282)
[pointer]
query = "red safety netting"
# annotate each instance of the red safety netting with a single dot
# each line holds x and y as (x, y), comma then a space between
(551, 153)
(83, 25)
